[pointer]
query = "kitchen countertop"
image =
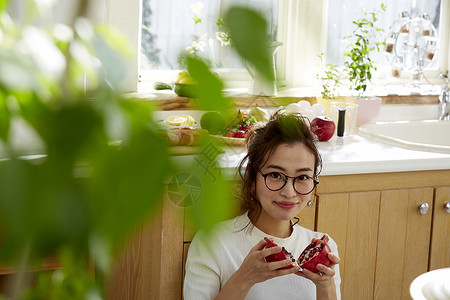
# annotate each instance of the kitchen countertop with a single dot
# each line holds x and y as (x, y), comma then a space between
(358, 155)
(352, 154)
(355, 154)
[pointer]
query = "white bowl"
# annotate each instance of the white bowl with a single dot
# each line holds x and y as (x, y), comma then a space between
(433, 285)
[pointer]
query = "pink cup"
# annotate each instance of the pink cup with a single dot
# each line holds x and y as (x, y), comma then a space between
(368, 110)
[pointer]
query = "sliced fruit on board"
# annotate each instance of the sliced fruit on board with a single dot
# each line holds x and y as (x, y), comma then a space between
(180, 120)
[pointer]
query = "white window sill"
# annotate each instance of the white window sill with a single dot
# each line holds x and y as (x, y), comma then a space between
(387, 90)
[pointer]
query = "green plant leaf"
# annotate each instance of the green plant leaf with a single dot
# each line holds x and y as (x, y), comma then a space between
(216, 202)
(249, 34)
(197, 20)
(5, 118)
(220, 22)
(126, 182)
(209, 91)
(16, 72)
(3, 5)
(358, 62)
(73, 127)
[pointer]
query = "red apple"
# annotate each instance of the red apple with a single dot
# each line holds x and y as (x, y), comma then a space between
(323, 128)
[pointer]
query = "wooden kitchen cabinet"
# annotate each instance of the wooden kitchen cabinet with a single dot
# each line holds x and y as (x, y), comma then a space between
(351, 219)
(8, 275)
(383, 240)
(403, 241)
(440, 238)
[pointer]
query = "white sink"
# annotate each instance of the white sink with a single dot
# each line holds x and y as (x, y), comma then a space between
(429, 135)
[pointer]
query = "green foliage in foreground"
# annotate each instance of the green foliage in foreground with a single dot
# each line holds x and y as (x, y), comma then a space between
(99, 164)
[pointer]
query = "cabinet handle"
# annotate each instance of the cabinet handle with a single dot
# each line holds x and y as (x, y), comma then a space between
(447, 207)
(423, 208)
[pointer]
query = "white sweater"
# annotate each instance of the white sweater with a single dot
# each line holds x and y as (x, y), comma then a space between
(210, 265)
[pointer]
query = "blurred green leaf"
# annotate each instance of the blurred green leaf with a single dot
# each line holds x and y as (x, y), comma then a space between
(16, 72)
(3, 5)
(250, 37)
(106, 165)
(112, 63)
(70, 283)
(17, 188)
(114, 39)
(126, 183)
(34, 111)
(215, 203)
(210, 88)
(70, 130)
(5, 118)
(197, 20)
(43, 206)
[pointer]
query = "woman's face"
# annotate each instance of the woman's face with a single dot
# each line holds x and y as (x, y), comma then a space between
(292, 160)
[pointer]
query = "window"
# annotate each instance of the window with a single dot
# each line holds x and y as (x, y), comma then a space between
(345, 11)
(318, 26)
(171, 27)
(303, 26)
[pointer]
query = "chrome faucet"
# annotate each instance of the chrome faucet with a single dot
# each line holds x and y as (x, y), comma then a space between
(444, 100)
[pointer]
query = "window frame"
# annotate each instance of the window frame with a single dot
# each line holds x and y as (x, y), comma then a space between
(299, 20)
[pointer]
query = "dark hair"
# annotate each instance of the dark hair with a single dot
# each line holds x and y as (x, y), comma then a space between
(261, 143)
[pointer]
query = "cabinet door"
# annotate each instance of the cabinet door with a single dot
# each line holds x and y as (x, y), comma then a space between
(351, 219)
(403, 241)
(150, 266)
(307, 216)
(440, 240)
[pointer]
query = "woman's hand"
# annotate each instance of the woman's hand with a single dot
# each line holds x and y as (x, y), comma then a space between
(255, 269)
(325, 272)
(324, 280)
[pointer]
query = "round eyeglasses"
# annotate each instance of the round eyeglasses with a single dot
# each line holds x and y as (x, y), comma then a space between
(302, 184)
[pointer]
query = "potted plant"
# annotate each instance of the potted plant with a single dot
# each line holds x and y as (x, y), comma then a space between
(330, 79)
(360, 66)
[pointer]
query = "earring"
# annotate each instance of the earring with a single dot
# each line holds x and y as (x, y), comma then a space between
(310, 202)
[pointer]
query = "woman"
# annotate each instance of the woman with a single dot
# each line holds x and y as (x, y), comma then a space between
(282, 165)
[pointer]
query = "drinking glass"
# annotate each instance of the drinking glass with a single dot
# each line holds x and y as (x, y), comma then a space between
(350, 109)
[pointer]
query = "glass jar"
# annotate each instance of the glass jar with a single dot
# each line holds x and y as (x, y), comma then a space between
(390, 43)
(404, 18)
(426, 25)
(430, 49)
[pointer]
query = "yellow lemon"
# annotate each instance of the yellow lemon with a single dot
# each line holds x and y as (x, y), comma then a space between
(189, 121)
(175, 120)
(180, 120)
